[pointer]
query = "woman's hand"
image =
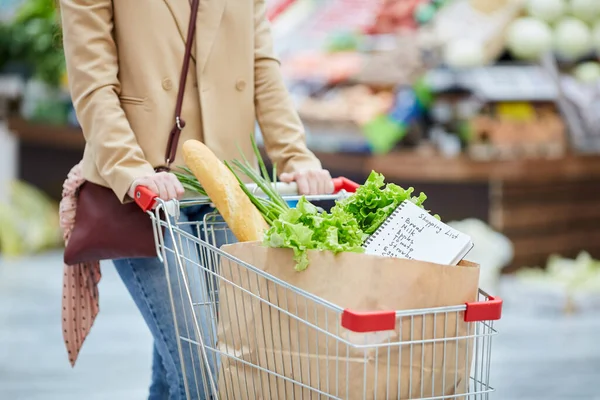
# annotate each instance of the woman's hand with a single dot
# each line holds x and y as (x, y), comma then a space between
(310, 182)
(164, 184)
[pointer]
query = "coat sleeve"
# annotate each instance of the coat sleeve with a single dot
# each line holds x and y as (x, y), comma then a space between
(92, 67)
(279, 122)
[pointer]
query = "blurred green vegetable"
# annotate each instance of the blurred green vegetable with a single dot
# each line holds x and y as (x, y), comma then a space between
(35, 9)
(29, 223)
(33, 38)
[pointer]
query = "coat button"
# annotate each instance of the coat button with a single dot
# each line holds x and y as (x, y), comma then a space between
(240, 85)
(167, 84)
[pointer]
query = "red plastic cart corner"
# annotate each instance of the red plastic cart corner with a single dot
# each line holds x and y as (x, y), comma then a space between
(369, 321)
(489, 310)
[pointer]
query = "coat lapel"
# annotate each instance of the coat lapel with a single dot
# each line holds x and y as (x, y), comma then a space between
(209, 19)
(180, 10)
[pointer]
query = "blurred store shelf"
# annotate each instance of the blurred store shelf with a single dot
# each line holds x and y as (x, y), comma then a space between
(54, 136)
(414, 166)
(398, 165)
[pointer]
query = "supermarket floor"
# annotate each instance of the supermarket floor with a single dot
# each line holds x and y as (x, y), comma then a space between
(547, 357)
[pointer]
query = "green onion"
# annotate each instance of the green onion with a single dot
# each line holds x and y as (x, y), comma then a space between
(190, 183)
(270, 207)
(263, 182)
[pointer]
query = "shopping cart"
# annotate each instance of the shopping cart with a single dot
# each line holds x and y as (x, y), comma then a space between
(201, 281)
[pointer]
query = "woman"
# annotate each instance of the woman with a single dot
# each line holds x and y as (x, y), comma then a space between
(123, 61)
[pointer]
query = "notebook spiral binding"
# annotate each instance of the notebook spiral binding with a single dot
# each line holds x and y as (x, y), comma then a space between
(385, 223)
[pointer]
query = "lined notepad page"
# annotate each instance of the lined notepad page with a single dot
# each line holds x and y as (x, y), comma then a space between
(412, 233)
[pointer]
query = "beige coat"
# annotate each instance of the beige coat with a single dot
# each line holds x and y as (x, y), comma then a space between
(124, 60)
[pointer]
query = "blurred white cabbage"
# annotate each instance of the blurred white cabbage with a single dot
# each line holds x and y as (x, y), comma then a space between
(29, 222)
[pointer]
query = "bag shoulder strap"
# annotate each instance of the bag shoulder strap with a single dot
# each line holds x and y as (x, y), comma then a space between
(179, 122)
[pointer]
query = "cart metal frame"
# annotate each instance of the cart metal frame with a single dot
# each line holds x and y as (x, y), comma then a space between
(191, 255)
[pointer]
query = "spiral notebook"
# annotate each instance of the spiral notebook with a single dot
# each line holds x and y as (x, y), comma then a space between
(412, 233)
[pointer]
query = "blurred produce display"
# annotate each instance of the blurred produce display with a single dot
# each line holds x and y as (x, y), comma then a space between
(471, 33)
(373, 76)
(568, 28)
(458, 76)
(28, 222)
(579, 87)
(572, 275)
(564, 286)
(504, 112)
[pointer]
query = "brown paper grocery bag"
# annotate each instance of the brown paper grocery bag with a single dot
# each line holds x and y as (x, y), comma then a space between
(278, 343)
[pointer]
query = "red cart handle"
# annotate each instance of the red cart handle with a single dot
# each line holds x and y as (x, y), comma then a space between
(146, 199)
(489, 310)
(346, 184)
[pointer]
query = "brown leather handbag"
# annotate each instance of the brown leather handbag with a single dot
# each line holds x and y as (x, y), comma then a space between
(106, 229)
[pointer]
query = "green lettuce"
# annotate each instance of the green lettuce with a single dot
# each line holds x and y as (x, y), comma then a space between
(345, 228)
(375, 201)
(305, 228)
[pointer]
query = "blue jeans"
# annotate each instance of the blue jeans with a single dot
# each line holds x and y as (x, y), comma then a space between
(146, 280)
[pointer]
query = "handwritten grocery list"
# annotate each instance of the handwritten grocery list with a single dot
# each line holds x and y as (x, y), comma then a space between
(412, 233)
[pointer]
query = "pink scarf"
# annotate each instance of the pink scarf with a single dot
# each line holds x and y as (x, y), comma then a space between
(80, 304)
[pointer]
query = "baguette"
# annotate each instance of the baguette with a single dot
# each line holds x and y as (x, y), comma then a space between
(223, 189)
